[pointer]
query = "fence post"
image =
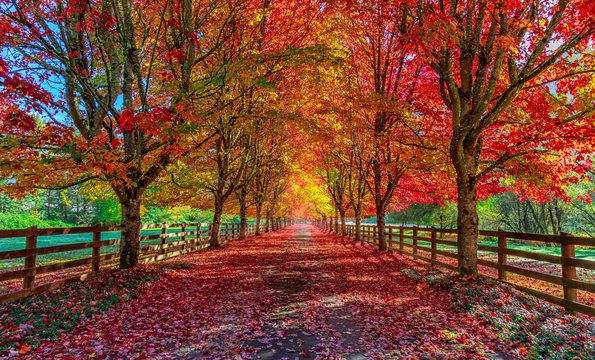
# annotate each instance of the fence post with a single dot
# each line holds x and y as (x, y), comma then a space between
(184, 232)
(433, 237)
(375, 235)
(30, 243)
(96, 250)
(568, 271)
(163, 239)
(401, 238)
(415, 240)
(502, 258)
(198, 228)
(390, 237)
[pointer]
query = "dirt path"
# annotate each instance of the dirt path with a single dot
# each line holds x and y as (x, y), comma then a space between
(297, 293)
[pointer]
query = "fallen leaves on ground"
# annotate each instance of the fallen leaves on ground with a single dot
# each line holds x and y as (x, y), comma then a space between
(542, 330)
(284, 294)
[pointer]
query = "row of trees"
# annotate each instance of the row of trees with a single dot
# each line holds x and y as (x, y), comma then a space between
(163, 102)
(439, 101)
(363, 106)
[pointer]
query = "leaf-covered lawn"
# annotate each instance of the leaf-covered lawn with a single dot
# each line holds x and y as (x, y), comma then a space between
(586, 275)
(284, 295)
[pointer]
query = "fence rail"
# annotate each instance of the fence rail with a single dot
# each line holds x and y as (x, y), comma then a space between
(182, 242)
(405, 240)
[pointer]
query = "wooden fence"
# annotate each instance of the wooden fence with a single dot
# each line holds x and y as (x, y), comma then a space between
(154, 247)
(421, 243)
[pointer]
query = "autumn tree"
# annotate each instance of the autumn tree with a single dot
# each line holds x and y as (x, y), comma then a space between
(380, 96)
(514, 77)
(126, 80)
(260, 54)
(357, 190)
(334, 173)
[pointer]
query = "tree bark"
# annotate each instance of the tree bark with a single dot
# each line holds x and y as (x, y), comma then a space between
(336, 218)
(465, 157)
(343, 225)
(380, 226)
(467, 226)
(130, 241)
(243, 220)
(214, 239)
(267, 223)
(358, 223)
(258, 217)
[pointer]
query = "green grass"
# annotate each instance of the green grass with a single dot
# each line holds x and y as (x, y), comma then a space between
(55, 240)
(580, 252)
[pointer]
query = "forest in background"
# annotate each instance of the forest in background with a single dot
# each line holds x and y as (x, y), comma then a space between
(509, 212)
(67, 208)
(50, 208)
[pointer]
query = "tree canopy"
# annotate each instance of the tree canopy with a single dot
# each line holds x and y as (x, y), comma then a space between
(304, 109)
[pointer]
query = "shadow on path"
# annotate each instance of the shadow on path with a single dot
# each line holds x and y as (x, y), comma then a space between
(296, 293)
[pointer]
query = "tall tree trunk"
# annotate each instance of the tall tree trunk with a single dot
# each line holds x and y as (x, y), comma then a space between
(336, 218)
(243, 211)
(358, 223)
(467, 227)
(258, 217)
(268, 222)
(131, 224)
(380, 226)
(465, 157)
(343, 225)
(216, 228)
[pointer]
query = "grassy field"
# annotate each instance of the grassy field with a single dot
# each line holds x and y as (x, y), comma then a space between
(580, 252)
(55, 240)
(45, 241)
(535, 265)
